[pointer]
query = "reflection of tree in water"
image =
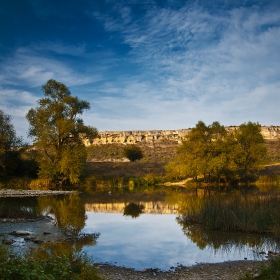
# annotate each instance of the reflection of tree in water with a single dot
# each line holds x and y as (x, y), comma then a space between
(225, 241)
(18, 207)
(67, 255)
(134, 210)
(69, 212)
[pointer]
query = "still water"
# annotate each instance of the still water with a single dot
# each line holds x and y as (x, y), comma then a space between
(142, 231)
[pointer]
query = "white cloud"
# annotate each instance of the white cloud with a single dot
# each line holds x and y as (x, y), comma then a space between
(191, 64)
(223, 66)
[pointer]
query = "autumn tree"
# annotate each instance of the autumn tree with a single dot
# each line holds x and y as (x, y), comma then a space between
(200, 152)
(252, 150)
(58, 132)
(220, 155)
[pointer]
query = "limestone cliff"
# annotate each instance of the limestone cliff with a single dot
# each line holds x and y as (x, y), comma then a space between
(161, 136)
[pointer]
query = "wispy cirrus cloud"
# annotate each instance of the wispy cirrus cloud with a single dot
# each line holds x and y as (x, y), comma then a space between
(29, 67)
(203, 58)
(154, 65)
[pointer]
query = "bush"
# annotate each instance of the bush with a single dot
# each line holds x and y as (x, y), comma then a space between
(133, 152)
(46, 265)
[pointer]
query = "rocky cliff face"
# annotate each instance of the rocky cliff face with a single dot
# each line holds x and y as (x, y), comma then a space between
(161, 136)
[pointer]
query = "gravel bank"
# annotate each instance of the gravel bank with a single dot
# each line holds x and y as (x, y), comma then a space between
(219, 271)
(20, 193)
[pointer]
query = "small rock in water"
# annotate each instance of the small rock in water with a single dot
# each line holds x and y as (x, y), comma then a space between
(20, 232)
(29, 238)
(7, 241)
(271, 253)
(37, 241)
(45, 232)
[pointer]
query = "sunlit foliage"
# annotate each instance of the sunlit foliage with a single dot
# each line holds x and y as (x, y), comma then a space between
(220, 155)
(58, 133)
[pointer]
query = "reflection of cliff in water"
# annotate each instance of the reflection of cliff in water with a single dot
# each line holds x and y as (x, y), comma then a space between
(151, 207)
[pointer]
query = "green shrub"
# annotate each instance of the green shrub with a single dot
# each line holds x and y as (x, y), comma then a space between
(271, 272)
(133, 152)
(44, 264)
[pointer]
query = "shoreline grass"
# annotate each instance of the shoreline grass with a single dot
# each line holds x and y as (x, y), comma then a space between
(248, 213)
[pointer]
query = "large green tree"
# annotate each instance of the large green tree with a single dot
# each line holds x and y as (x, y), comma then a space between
(252, 151)
(58, 132)
(200, 152)
(219, 154)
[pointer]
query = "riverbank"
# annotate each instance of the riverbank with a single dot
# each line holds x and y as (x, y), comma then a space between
(43, 230)
(231, 270)
(22, 193)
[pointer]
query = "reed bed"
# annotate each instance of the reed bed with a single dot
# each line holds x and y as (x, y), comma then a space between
(250, 213)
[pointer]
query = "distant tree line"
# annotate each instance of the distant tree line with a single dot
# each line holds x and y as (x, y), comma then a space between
(58, 152)
(220, 155)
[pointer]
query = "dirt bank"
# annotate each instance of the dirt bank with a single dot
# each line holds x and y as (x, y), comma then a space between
(226, 271)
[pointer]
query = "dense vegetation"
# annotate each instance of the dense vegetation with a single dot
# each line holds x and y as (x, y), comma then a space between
(46, 263)
(220, 155)
(233, 212)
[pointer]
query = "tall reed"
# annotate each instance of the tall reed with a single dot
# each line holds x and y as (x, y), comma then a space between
(235, 212)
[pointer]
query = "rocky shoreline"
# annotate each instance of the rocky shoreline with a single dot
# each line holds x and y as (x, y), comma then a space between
(21, 193)
(231, 270)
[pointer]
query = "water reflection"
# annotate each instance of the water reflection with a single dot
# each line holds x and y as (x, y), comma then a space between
(134, 210)
(159, 237)
(69, 211)
(68, 214)
(225, 242)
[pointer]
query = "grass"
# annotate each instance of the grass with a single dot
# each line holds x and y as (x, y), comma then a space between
(46, 264)
(159, 152)
(249, 213)
(270, 272)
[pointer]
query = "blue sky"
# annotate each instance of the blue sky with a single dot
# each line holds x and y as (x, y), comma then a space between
(144, 64)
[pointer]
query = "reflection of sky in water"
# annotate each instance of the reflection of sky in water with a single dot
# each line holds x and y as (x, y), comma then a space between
(151, 241)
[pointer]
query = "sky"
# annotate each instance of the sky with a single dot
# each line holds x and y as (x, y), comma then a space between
(144, 64)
